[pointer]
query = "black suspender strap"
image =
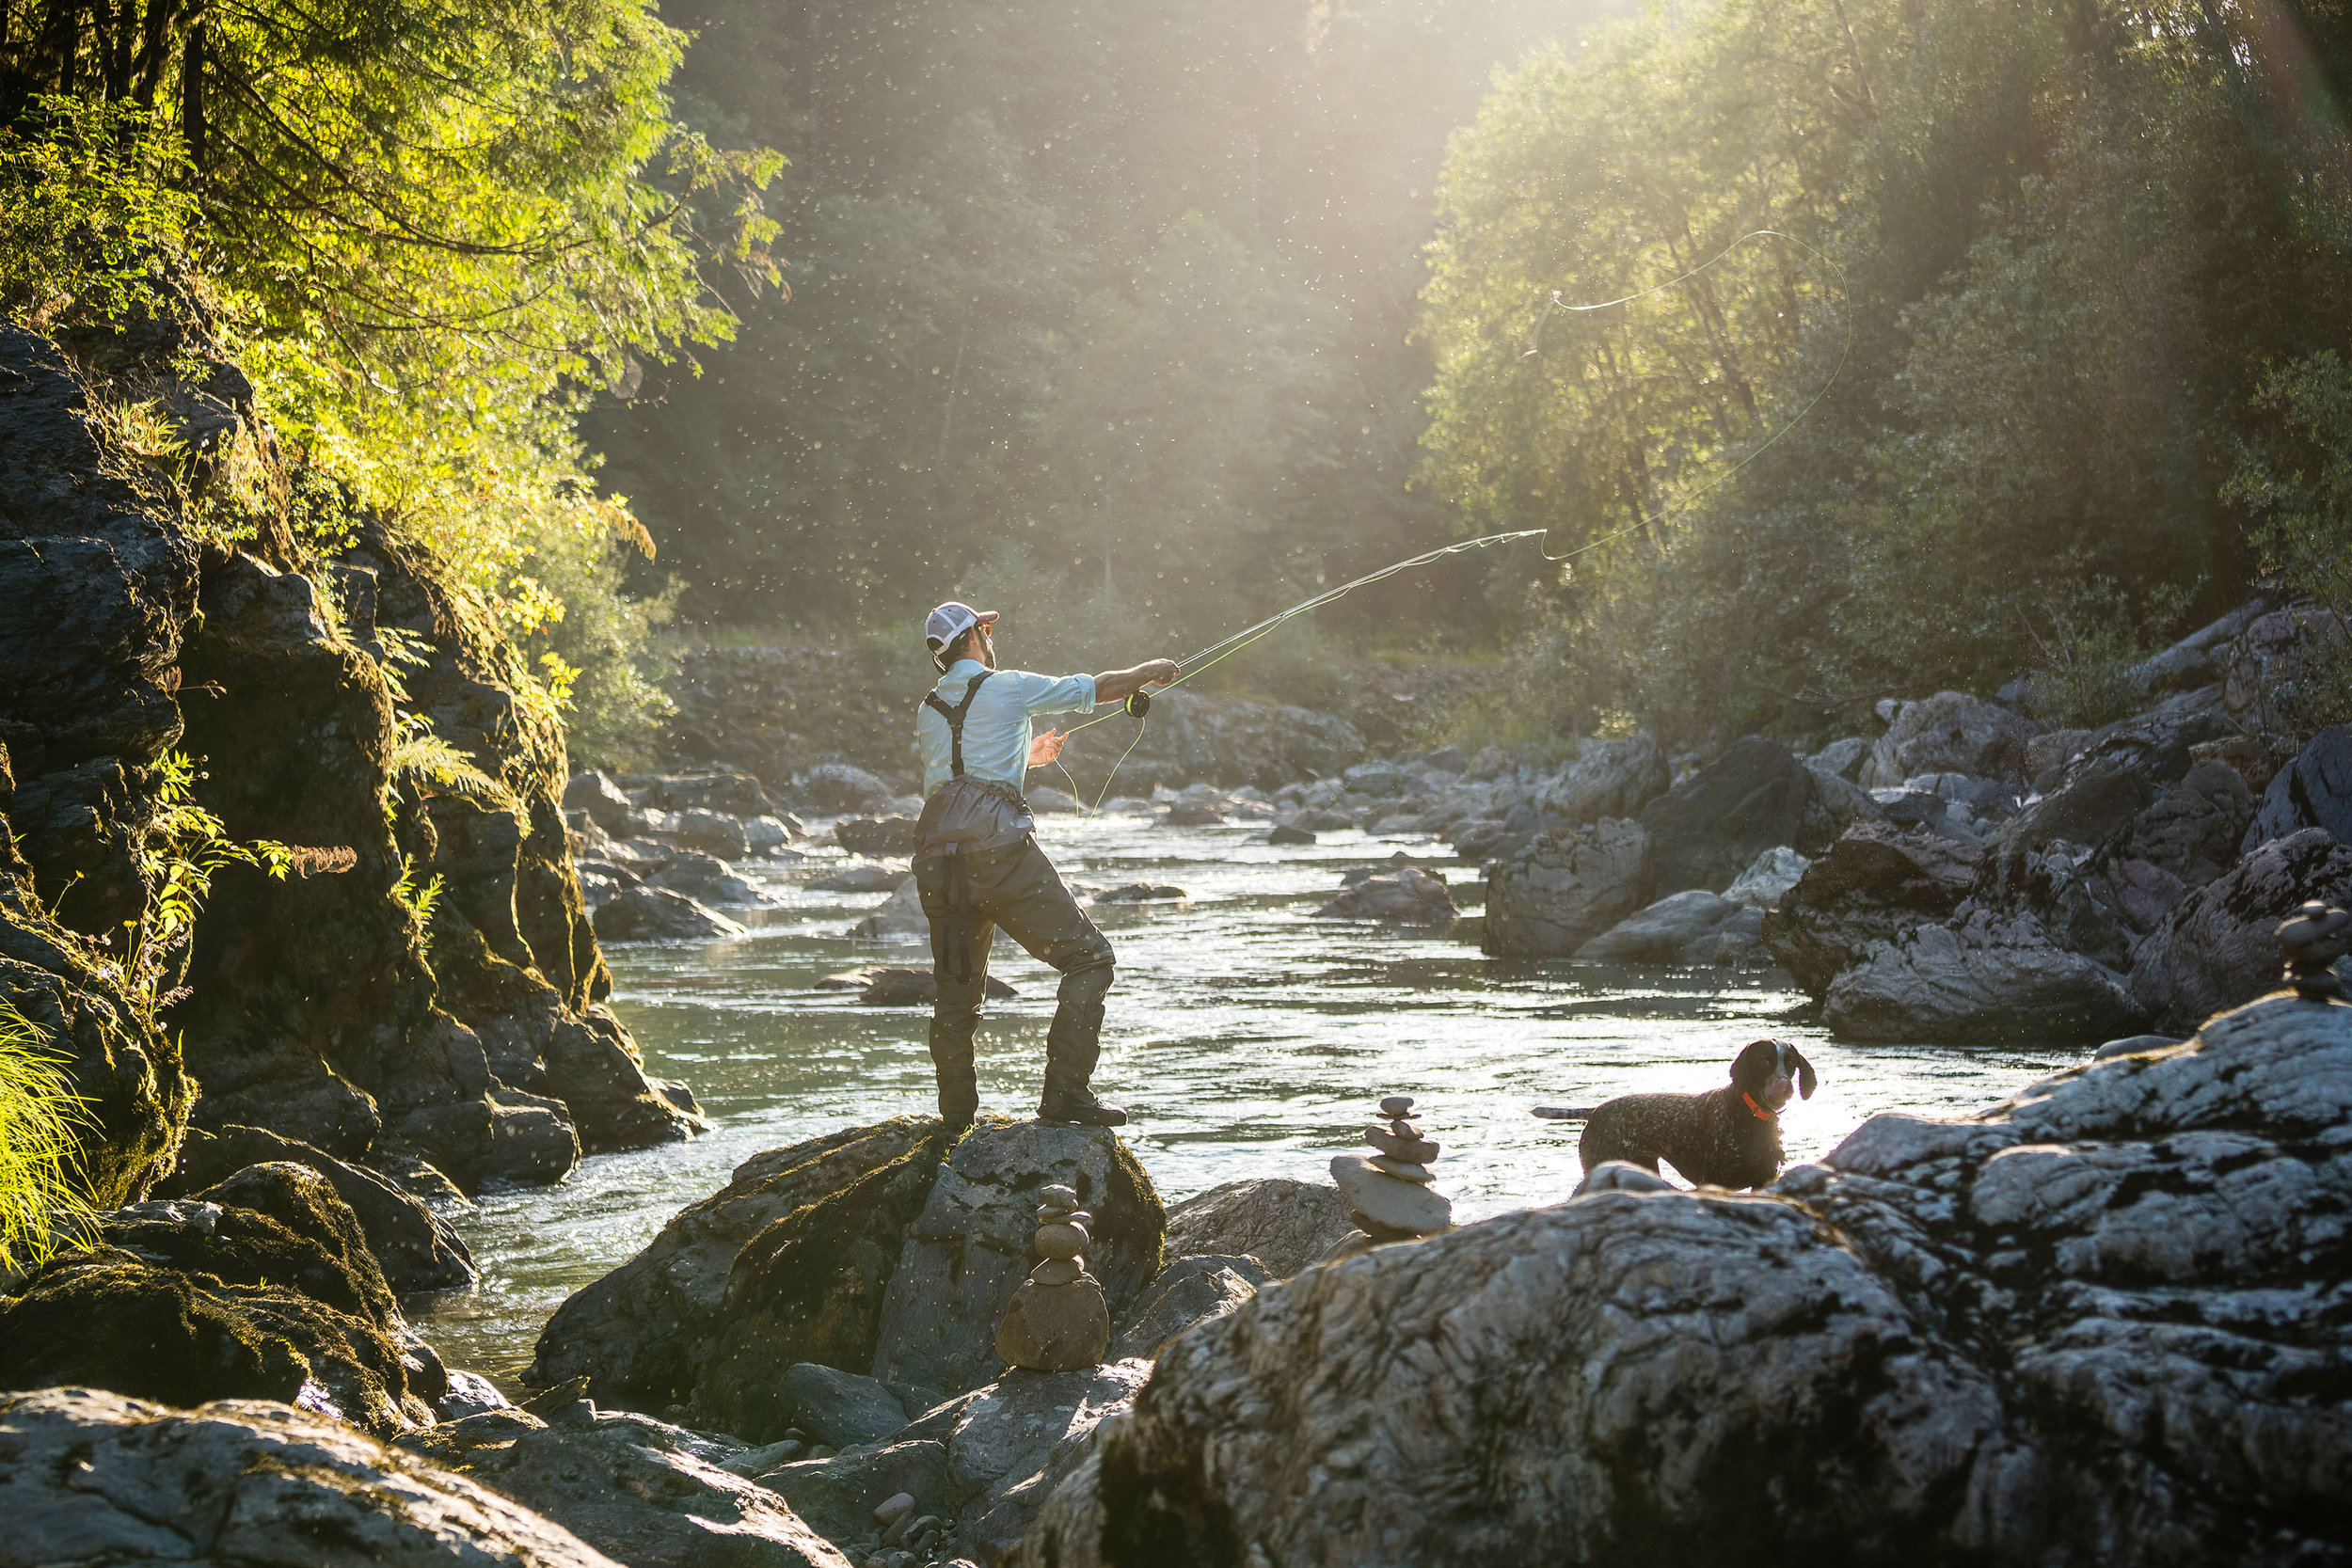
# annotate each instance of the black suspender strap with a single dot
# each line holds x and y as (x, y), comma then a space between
(955, 718)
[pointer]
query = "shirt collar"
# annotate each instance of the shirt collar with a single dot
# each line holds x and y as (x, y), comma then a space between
(967, 667)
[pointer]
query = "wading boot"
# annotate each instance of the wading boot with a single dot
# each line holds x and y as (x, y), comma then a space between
(959, 1082)
(1071, 1047)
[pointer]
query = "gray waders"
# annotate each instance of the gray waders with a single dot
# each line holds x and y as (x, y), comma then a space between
(972, 881)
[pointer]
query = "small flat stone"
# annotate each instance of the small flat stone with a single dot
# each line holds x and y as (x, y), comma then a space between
(1404, 1170)
(1058, 1193)
(1406, 1146)
(1057, 1270)
(1061, 1241)
(1397, 1105)
(1389, 1202)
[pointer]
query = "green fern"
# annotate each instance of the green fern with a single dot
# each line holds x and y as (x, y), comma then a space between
(42, 1203)
(419, 753)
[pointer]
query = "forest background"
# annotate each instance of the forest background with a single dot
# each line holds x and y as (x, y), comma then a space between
(785, 321)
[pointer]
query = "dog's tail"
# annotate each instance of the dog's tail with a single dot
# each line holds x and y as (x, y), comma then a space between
(1566, 1112)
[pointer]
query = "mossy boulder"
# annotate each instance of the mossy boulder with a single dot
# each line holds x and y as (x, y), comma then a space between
(416, 1249)
(641, 1333)
(111, 1320)
(810, 1288)
(272, 1224)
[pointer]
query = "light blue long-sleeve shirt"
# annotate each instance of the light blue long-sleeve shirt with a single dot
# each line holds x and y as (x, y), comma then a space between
(997, 731)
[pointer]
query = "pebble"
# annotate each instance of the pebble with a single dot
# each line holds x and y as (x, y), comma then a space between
(1404, 1170)
(1397, 1106)
(1057, 1270)
(891, 1509)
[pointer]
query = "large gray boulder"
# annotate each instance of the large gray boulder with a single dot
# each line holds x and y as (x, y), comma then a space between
(1283, 1222)
(1949, 733)
(969, 1248)
(94, 1478)
(2313, 791)
(1608, 777)
(1709, 827)
(1987, 980)
(1874, 884)
(1680, 929)
(647, 913)
(1565, 887)
(644, 1493)
(643, 1332)
(2214, 950)
(2096, 1323)
(1188, 1292)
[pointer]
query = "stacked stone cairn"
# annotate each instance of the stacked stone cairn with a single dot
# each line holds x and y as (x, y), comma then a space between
(1390, 1196)
(2311, 941)
(1058, 1321)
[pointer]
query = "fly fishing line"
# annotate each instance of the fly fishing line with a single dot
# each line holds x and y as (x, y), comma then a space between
(1139, 704)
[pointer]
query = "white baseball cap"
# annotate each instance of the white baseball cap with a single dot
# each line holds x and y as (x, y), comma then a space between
(951, 621)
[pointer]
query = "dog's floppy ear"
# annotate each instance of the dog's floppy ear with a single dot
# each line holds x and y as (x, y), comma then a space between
(1754, 1065)
(1805, 1079)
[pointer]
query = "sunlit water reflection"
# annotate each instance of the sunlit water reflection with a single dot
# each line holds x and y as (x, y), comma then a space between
(1246, 1038)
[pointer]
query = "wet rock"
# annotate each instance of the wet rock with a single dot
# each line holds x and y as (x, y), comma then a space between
(505, 1135)
(705, 879)
(642, 1332)
(275, 1224)
(1663, 933)
(2214, 948)
(1046, 800)
(96, 1477)
(1709, 829)
(2313, 791)
(970, 1247)
(1188, 1292)
(887, 838)
(2078, 1327)
(646, 1493)
(1285, 1224)
(1284, 833)
(1565, 888)
(897, 986)
(899, 918)
(1608, 778)
(1405, 896)
(1951, 732)
(1192, 814)
(612, 1104)
(468, 1394)
(1986, 980)
(868, 876)
(1141, 892)
(646, 913)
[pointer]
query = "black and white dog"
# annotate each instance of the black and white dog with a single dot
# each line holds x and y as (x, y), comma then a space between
(1727, 1137)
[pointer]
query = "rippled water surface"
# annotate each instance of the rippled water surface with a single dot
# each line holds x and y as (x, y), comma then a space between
(1246, 1038)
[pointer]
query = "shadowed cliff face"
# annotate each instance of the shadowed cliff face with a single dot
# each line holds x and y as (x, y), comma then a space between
(317, 1007)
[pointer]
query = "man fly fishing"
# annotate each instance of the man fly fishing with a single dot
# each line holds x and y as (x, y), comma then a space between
(977, 866)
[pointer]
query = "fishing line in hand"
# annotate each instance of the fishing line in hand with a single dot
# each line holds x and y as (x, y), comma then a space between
(1139, 704)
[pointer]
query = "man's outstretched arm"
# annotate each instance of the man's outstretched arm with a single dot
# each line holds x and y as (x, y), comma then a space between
(1116, 685)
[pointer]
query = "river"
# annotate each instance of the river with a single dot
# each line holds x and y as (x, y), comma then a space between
(1245, 1038)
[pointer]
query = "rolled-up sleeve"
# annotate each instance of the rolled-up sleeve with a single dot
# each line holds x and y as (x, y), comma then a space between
(1053, 694)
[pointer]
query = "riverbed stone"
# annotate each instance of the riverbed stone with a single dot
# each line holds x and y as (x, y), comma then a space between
(2080, 1326)
(2313, 791)
(838, 1408)
(1606, 778)
(1949, 733)
(1190, 1291)
(898, 918)
(1055, 1328)
(1986, 980)
(1664, 932)
(1404, 897)
(647, 913)
(969, 1249)
(1283, 1222)
(1876, 883)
